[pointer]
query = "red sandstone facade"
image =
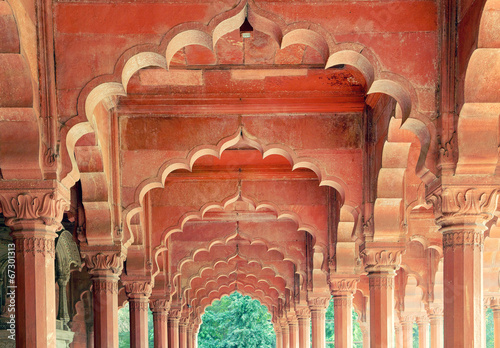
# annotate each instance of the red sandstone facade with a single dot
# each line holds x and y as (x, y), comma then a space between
(345, 149)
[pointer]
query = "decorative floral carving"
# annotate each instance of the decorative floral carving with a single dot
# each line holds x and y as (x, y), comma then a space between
(104, 262)
(46, 209)
(174, 314)
(36, 245)
(435, 312)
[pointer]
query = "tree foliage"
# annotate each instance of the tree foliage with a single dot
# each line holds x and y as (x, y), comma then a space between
(236, 321)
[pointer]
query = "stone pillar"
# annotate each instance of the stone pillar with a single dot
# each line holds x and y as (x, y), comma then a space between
(104, 268)
(382, 261)
(183, 327)
(174, 317)
(33, 219)
(436, 322)
(190, 336)
(63, 313)
(160, 308)
(138, 293)
(304, 319)
(196, 329)
(293, 326)
(318, 306)
(343, 289)
(423, 331)
(279, 336)
(407, 331)
(90, 335)
(365, 331)
(285, 333)
(465, 212)
(495, 307)
(398, 332)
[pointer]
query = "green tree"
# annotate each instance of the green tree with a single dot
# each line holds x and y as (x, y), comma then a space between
(236, 321)
(124, 327)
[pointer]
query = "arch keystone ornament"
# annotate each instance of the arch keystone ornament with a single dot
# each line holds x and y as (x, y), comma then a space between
(465, 211)
(34, 219)
(382, 260)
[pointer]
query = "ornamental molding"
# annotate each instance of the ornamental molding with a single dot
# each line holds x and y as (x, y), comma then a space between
(104, 262)
(435, 312)
(36, 246)
(139, 305)
(379, 282)
(45, 208)
(454, 239)
(174, 314)
(136, 289)
(104, 286)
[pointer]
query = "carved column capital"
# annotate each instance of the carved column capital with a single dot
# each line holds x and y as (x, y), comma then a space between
(318, 303)
(45, 208)
(137, 288)
(303, 313)
(159, 305)
(422, 319)
(382, 258)
(435, 312)
(103, 262)
(342, 285)
(493, 302)
(174, 314)
(467, 206)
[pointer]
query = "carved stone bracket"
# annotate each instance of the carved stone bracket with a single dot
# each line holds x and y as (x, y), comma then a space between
(43, 208)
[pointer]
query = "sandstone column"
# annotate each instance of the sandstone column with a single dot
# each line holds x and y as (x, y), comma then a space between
(343, 289)
(293, 326)
(381, 262)
(174, 317)
(423, 331)
(398, 332)
(407, 331)
(105, 269)
(279, 337)
(285, 333)
(365, 331)
(183, 327)
(464, 214)
(33, 219)
(495, 307)
(160, 308)
(436, 323)
(190, 336)
(304, 319)
(138, 293)
(318, 306)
